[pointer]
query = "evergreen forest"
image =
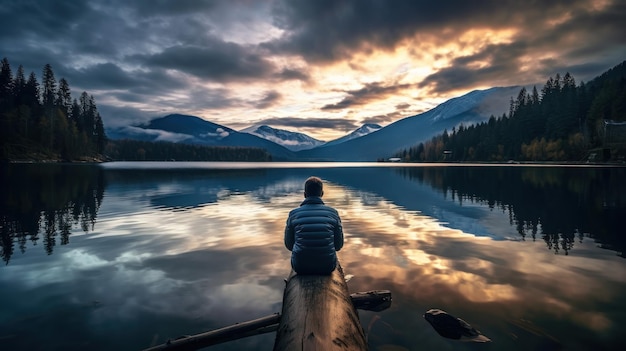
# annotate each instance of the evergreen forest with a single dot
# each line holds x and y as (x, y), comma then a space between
(562, 122)
(136, 150)
(41, 120)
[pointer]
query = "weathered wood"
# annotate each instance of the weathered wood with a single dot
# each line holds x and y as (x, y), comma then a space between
(318, 314)
(375, 300)
(262, 325)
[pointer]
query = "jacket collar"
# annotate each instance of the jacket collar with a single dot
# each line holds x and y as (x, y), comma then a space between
(312, 200)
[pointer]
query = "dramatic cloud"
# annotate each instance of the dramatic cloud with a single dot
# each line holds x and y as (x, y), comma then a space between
(387, 118)
(341, 124)
(370, 92)
(332, 64)
(271, 98)
(219, 61)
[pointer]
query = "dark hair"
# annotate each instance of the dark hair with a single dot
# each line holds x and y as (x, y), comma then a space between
(313, 187)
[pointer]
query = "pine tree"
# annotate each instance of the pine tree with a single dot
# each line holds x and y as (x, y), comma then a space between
(49, 86)
(6, 83)
(19, 84)
(75, 114)
(64, 98)
(31, 91)
(43, 119)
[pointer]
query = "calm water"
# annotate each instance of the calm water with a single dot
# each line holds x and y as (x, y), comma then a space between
(124, 256)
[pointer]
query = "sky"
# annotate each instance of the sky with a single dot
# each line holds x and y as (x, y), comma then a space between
(319, 67)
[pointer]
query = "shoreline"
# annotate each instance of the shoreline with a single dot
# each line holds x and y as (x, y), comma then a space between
(96, 160)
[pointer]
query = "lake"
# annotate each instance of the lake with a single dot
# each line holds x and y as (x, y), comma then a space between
(124, 256)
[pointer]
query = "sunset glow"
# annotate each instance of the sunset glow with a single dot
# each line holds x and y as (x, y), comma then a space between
(306, 66)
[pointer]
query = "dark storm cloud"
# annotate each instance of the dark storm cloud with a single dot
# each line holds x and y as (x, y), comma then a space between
(155, 85)
(331, 30)
(156, 52)
(403, 106)
(571, 41)
(270, 99)
(370, 92)
(293, 74)
(385, 118)
(462, 74)
(74, 33)
(59, 31)
(48, 18)
(150, 8)
(504, 62)
(220, 61)
(111, 76)
(400, 112)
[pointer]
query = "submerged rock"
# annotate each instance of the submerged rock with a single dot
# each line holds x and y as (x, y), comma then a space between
(452, 327)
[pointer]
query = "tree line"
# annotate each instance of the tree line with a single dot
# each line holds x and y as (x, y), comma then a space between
(51, 202)
(136, 150)
(41, 120)
(562, 122)
(589, 207)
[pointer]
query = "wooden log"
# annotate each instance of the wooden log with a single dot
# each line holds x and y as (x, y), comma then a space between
(258, 326)
(374, 300)
(318, 314)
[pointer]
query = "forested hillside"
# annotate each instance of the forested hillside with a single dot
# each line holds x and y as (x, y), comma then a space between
(562, 122)
(41, 120)
(135, 150)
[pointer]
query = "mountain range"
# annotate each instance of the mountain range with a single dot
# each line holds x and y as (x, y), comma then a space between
(293, 141)
(370, 142)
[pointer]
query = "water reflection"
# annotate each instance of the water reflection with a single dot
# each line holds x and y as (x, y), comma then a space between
(562, 205)
(559, 205)
(46, 201)
(178, 252)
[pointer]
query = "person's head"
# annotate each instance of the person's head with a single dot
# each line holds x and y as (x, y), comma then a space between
(313, 187)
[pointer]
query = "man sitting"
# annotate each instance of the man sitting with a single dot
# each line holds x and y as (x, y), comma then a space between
(313, 232)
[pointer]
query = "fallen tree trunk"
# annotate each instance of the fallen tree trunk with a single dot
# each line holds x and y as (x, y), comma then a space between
(375, 300)
(258, 326)
(318, 314)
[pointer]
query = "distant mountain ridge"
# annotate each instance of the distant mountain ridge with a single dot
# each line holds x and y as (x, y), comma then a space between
(368, 143)
(362, 131)
(195, 130)
(471, 108)
(293, 141)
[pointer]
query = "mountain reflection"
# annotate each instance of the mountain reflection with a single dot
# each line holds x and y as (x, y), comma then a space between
(561, 205)
(45, 203)
(179, 251)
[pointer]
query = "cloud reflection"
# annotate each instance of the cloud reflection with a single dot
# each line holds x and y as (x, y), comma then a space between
(181, 253)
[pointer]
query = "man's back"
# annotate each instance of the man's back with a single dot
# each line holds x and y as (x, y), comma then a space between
(313, 233)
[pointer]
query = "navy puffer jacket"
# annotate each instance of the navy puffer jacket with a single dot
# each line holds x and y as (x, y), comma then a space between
(313, 234)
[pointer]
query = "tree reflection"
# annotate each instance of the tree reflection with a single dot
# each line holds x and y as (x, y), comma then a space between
(48, 201)
(562, 205)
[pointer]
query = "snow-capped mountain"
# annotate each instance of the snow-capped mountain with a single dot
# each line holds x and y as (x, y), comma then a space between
(195, 130)
(471, 108)
(293, 141)
(367, 143)
(357, 133)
